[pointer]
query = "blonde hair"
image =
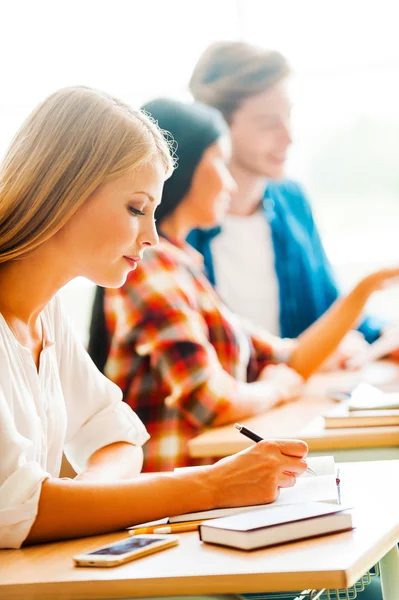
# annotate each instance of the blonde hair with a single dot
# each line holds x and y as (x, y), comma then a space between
(229, 72)
(70, 144)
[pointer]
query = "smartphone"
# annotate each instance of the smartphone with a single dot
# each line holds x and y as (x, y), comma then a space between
(125, 550)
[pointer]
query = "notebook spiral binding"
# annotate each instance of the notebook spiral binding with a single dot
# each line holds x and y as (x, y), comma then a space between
(346, 594)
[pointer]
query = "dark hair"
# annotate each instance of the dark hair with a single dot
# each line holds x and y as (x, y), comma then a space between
(193, 127)
(227, 73)
(99, 342)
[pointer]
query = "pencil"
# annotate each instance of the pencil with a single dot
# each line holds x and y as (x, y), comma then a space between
(171, 528)
(256, 438)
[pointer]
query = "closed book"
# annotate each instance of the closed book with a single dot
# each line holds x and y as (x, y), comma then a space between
(321, 487)
(341, 417)
(276, 525)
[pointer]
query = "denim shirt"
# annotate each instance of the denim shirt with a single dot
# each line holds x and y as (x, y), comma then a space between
(307, 285)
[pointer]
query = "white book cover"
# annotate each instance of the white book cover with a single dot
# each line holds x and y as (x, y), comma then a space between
(276, 524)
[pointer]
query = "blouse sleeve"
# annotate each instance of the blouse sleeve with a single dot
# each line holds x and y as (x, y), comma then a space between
(96, 414)
(160, 305)
(20, 481)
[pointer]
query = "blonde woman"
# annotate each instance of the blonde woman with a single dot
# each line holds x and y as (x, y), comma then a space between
(73, 181)
(288, 283)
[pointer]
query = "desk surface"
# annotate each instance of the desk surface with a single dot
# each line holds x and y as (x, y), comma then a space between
(335, 561)
(303, 418)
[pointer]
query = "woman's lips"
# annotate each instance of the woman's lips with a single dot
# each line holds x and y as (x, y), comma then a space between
(132, 261)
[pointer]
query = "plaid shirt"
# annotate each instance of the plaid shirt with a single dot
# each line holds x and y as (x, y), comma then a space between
(177, 352)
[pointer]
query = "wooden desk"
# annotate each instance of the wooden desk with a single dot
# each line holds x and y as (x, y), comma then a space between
(303, 419)
(336, 561)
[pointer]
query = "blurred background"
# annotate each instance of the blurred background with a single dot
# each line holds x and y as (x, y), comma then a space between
(345, 56)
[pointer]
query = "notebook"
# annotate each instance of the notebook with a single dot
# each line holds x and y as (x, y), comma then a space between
(368, 397)
(308, 488)
(276, 525)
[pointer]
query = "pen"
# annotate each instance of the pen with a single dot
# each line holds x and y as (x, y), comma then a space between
(256, 438)
(172, 528)
(338, 482)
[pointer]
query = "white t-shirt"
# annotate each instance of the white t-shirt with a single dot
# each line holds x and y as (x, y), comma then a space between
(68, 404)
(246, 279)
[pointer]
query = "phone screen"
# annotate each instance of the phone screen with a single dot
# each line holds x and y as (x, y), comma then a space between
(124, 546)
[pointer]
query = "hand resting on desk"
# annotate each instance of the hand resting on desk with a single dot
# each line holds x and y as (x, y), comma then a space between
(282, 383)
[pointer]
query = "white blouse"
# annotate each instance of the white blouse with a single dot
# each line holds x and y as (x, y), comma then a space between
(66, 404)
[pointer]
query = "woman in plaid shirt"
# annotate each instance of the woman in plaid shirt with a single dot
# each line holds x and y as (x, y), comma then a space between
(182, 358)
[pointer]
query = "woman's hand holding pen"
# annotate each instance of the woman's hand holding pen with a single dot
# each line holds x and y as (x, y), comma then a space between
(255, 475)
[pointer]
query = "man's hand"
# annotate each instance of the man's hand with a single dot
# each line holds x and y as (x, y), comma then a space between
(352, 346)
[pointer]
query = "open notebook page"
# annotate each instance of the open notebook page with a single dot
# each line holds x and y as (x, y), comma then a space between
(308, 488)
